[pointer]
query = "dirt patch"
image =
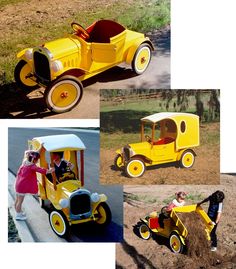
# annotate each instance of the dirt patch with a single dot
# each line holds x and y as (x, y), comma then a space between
(155, 253)
(204, 171)
(14, 18)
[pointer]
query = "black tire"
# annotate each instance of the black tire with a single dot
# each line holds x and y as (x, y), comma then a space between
(130, 169)
(61, 97)
(187, 159)
(135, 59)
(22, 64)
(62, 231)
(117, 163)
(179, 247)
(104, 215)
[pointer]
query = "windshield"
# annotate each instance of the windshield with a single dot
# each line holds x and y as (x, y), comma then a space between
(148, 128)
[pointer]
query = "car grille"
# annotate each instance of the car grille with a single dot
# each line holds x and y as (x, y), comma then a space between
(80, 204)
(41, 67)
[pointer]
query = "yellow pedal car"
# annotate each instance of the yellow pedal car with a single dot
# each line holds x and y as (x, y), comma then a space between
(173, 135)
(174, 228)
(62, 64)
(72, 203)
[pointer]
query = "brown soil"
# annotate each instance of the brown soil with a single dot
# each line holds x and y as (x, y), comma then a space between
(15, 17)
(134, 252)
(206, 169)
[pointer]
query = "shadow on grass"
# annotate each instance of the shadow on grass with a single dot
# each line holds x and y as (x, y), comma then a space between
(126, 121)
(161, 41)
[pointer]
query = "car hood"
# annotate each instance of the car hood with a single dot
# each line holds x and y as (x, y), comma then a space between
(68, 187)
(62, 47)
(140, 146)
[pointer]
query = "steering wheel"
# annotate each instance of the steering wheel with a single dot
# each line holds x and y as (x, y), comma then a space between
(148, 138)
(67, 176)
(164, 212)
(79, 30)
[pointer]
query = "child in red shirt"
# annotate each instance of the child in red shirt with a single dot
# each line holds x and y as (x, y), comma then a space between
(26, 180)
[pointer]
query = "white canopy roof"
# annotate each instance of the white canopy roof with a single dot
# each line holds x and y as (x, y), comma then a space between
(61, 142)
(163, 115)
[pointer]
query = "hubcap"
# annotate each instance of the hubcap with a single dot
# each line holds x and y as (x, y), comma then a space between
(64, 94)
(142, 59)
(135, 168)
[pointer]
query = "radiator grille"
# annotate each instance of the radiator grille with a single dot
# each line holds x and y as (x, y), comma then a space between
(41, 67)
(80, 204)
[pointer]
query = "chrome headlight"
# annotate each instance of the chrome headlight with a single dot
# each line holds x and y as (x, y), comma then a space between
(95, 197)
(64, 203)
(29, 54)
(56, 66)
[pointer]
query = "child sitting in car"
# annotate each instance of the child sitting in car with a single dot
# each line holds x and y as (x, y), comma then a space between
(165, 211)
(60, 165)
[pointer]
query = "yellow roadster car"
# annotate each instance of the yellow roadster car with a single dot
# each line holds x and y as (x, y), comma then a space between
(172, 139)
(62, 64)
(72, 203)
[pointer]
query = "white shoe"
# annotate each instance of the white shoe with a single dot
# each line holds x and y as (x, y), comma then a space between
(20, 216)
(23, 213)
(213, 248)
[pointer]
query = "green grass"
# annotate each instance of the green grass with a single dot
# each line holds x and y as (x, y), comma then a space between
(118, 140)
(141, 16)
(191, 198)
(151, 105)
(141, 198)
(212, 138)
(147, 15)
(4, 3)
(13, 235)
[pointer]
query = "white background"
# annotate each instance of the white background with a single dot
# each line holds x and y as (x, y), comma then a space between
(203, 56)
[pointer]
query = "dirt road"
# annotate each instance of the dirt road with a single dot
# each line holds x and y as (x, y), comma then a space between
(134, 252)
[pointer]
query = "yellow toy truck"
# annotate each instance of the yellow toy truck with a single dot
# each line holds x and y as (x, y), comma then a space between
(172, 139)
(174, 228)
(72, 204)
(61, 65)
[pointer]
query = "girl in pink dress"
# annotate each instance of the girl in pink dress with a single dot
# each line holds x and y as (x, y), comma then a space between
(26, 180)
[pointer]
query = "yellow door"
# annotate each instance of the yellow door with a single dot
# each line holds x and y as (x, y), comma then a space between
(104, 53)
(163, 153)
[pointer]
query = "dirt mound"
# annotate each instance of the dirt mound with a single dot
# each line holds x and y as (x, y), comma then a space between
(198, 252)
(196, 242)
